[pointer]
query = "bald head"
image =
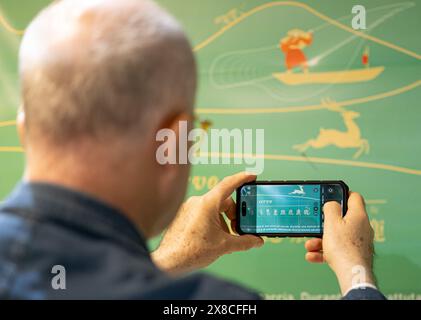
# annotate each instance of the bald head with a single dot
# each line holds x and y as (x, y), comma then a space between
(103, 68)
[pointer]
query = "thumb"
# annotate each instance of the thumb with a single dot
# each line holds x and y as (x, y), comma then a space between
(332, 214)
(244, 242)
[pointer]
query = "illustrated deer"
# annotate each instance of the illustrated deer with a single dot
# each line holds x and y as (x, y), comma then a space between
(299, 191)
(351, 138)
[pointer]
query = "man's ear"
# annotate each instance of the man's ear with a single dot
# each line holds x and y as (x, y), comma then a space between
(20, 125)
(172, 155)
(172, 139)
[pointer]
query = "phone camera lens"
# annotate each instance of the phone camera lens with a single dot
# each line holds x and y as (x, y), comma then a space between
(243, 208)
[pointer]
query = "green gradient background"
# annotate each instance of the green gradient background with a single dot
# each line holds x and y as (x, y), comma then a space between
(392, 125)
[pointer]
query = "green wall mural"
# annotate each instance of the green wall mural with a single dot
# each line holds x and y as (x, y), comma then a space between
(335, 103)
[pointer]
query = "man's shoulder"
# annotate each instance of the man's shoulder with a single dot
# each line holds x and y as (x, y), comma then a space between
(116, 268)
(364, 293)
(200, 286)
(101, 262)
(13, 232)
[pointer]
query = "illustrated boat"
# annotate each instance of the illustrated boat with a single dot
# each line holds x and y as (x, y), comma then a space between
(348, 76)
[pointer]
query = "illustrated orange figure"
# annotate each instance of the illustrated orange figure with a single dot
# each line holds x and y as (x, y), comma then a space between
(365, 56)
(292, 46)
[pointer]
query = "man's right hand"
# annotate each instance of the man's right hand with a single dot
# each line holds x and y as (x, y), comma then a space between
(347, 244)
(199, 234)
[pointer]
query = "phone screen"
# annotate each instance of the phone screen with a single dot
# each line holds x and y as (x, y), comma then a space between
(286, 209)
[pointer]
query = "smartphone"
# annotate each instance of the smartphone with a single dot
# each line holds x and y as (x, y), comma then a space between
(286, 208)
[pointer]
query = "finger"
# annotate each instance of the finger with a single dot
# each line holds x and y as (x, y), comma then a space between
(356, 207)
(313, 245)
(228, 207)
(244, 242)
(356, 201)
(227, 186)
(332, 212)
(314, 257)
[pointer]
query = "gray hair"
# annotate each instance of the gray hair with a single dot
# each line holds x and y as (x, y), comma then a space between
(103, 68)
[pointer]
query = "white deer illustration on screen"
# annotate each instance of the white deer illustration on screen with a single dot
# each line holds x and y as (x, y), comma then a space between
(299, 191)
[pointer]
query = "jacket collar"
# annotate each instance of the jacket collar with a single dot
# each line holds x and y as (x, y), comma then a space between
(74, 209)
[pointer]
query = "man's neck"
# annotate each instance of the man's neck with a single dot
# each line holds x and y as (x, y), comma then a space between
(111, 181)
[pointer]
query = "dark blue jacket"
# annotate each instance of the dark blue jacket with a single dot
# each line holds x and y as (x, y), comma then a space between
(103, 255)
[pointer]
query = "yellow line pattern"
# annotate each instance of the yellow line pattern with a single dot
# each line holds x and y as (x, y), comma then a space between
(344, 103)
(7, 123)
(9, 27)
(11, 149)
(312, 11)
(340, 162)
